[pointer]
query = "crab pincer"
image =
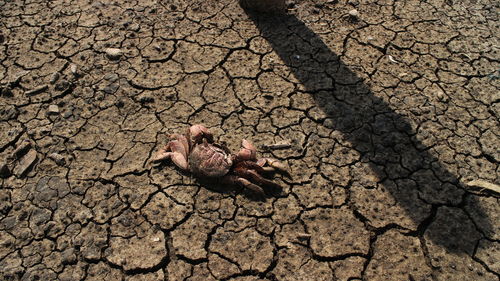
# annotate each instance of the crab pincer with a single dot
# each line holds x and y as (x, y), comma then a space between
(176, 150)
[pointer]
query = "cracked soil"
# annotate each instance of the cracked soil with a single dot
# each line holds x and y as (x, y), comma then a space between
(386, 111)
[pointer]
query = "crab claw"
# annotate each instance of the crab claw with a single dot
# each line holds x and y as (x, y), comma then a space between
(162, 154)
(274, 165)
(247, 152)
(198, 132)
(179, 154)
(177, 150)
(180, 144)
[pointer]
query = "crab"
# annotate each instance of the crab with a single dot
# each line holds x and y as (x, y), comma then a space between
(196, 152)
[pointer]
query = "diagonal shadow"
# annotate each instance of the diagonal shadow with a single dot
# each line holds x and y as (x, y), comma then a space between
(373, 128)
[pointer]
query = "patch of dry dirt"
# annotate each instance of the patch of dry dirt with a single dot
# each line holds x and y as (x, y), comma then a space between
(389, 110)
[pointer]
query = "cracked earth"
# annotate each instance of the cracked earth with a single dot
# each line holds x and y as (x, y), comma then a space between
(387, 113)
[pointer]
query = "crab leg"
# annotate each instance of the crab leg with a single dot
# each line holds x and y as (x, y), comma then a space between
(247, 152)
(233, 179)
(254, 177)
(249, 165)
(273, 166)
(248, 184)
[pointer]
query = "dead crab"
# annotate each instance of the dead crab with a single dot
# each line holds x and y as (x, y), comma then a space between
(195, 151)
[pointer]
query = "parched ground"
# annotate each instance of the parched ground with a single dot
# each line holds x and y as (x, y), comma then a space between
(387, 113)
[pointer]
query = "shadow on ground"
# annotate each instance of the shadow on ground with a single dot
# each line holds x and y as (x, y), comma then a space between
(384, 138)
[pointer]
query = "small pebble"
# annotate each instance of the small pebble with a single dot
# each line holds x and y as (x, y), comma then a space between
(303, 235)
(73, 68)
(392, 59)
(440, 95)
(26, 163)
(37, 90)
(274, 146)
(54, 77)
(485, 185)
(113, 53)
(111, 88)
(53, 109)
(354, 13)
(58, 158)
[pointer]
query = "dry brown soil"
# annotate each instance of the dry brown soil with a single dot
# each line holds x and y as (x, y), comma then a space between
(391, 110)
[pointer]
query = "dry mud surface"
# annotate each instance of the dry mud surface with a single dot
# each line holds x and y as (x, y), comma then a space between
(391, 110)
